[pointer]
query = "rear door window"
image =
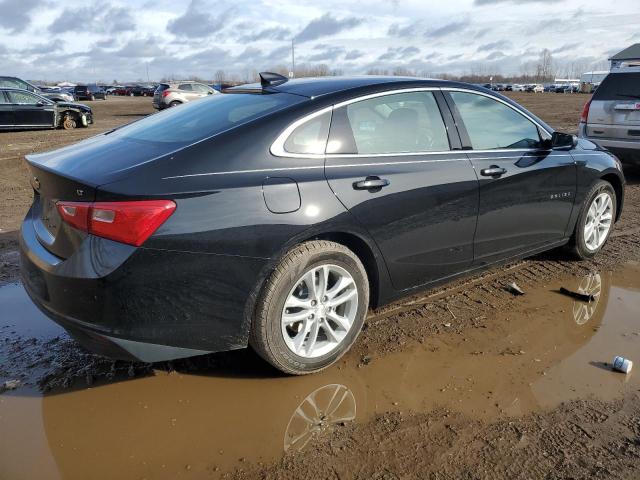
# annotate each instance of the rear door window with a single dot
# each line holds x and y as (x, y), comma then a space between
(398, 123)
(187, 87)
(493, 125)
(619, 86)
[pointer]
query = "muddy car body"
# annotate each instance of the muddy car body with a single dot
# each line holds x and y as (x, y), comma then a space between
(22, 110)
(276, 214)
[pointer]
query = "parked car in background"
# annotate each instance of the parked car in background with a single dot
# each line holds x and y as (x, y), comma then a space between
(498, 87)
(508, 88)
(23, 110)
(612, 117)
(278, 213)
(122, 90)
(518, 88)
(176, 93)
(538, 89)
(14, 82)
(89, 92)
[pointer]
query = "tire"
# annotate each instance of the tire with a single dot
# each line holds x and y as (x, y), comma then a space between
(275, 342)
(579, 244)
(175, 103)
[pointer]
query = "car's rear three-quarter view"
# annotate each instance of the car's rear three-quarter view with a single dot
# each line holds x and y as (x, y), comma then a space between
(276, 214)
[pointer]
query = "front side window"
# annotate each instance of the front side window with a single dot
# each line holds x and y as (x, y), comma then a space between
(3, 99)
(492, 124)
(397, 123)
(24, 98)
(12, 83)
(310, 137)
(198, 87)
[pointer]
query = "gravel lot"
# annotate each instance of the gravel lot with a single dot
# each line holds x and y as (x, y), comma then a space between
(464, 382)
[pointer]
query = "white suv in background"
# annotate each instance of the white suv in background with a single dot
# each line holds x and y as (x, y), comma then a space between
(175, 93)
(612, 117)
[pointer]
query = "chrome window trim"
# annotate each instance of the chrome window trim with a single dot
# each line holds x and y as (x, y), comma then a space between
(277, 147)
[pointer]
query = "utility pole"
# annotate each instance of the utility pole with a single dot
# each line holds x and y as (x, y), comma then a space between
(293, 59)
(147, 65)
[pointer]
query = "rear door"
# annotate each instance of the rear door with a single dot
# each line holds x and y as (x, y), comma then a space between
(31, 110)
(391, 162)
(6, 112)
(615, 108)
(526, 189)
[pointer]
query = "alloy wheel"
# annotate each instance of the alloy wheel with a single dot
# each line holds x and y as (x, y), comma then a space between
(319, 311)
(598, 222)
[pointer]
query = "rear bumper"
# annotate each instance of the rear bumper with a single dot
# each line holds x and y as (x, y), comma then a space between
(144, 304)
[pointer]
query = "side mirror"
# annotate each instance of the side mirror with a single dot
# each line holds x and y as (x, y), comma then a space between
(563, 141)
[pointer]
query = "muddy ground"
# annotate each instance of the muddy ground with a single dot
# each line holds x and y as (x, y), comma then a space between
(464, 381)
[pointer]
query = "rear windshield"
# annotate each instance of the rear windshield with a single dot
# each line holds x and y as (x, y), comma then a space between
(161, 88)
(206, 117)
(619, 86)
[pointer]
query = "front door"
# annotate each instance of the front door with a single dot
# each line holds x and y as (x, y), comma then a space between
(6, 112)
(526, 190)
(390, 162)
(31, 110)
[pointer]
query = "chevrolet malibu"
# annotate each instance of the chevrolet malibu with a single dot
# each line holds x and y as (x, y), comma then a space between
(276, 214)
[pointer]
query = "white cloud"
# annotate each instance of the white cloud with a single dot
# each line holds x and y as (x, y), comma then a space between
(44, 39)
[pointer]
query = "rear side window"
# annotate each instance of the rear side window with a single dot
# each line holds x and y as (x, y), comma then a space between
(397, 123)
(492, 124)
(186, 87)
(213, 114)
(619, 86)
(310, 137)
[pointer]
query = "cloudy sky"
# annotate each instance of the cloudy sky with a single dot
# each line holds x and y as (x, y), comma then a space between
(112, 39)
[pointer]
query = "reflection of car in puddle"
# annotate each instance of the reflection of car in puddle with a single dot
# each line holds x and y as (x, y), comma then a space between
(328, 405)
(590, 285)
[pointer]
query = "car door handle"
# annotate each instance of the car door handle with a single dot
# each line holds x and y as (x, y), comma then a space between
(493, 171)
(370, 183)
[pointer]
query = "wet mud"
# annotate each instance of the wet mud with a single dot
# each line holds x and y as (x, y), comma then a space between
(230, 415)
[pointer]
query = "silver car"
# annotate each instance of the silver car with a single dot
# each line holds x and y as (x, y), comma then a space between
(612, 117)
(175, 93)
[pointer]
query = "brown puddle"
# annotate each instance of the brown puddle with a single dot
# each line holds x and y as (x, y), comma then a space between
(549, 349)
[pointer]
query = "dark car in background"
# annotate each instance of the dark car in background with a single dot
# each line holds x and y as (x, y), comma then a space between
(23, 110)
(89, 92)
(56, 96)
(276, 214)
(612, 117)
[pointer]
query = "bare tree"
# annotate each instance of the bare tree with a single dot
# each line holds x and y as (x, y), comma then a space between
(544, 69)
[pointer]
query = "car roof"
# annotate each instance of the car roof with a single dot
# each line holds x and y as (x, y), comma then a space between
(313, 87)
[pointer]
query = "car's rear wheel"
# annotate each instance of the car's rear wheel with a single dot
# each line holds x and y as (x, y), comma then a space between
(311, 309)
(595, 221)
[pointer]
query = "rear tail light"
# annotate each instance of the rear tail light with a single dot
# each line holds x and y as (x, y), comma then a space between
(585, 112)
(165, 93)
(129, 222)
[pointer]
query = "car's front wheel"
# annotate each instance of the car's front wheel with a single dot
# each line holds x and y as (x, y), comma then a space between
(595, 221)
(311, 309)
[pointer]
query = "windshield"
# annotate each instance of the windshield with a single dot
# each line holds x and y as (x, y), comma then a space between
(206, 117)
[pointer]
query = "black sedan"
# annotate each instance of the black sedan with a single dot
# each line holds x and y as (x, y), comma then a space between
(22, 110)
(277, 213)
